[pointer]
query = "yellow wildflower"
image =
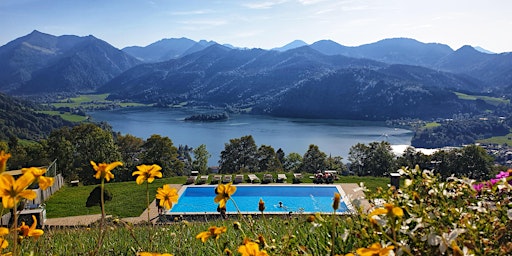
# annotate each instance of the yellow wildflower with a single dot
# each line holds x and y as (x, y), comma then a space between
(224, 193)
(336, 201)
(167, 196)
(147, 172)
(213, 232)
(3, 242)
(388, 209)
(228, 252)
(237, 225)
(375, 250)
(311, 218)
(397, 211)
(31, 231)
(12, 190)
(103, 170)
(251, 249)
(153, 254)
(44, 182)
(3, 160)
(261, 205)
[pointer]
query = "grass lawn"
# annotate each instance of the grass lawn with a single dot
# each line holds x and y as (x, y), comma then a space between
(66, 116)
(506, 139)
(129, 199)
(489, 100)
(92, 101)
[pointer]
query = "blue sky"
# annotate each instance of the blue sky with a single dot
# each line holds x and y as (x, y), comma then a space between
(265, 24)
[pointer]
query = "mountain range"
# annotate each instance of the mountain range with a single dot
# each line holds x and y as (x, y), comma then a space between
(391, 78)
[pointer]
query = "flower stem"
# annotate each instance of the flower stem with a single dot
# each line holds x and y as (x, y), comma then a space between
(102, 221)
(333, 231)
(15, 226)
(149, 220)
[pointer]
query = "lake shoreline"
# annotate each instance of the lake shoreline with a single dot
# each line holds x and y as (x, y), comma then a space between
(333, 136)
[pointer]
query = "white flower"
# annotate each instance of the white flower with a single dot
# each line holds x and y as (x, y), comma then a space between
(407, 182)
(509, 214)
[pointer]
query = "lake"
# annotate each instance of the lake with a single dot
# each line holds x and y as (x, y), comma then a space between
(334, 137)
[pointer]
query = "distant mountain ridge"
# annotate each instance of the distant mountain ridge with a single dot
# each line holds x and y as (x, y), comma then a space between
(42, 63)
(167, 49)
(391, 78)
(301, 82)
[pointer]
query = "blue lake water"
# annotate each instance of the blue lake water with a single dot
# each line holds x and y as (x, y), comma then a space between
(295, 199)
(334, 137)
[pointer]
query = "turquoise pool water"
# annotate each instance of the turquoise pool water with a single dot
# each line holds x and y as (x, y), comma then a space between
(295, 199)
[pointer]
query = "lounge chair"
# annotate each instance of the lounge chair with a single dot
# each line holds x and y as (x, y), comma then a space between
(202, 180)
(216, 179)
(227, 179)
(191, 180)
(239, 178)
(253, 178)
(267, 178)
(281, 178)
(297, 177)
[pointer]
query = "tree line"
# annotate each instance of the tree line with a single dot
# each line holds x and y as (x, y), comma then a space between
(74, 147)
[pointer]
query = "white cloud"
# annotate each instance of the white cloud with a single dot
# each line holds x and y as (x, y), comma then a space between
(264, 5)
(193, 12)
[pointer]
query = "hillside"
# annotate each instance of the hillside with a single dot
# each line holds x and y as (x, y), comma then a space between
(19, 119)
(300, 82)
(42, 63)
(391, 78)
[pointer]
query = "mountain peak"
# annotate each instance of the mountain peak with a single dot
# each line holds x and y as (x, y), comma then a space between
(292, 45)
(480, 49)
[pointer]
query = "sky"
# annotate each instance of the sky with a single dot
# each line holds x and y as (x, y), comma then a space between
(265, 24)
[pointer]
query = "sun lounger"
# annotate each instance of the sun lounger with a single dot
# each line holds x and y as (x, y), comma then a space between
(297, 177)
(253, 178)
(267, 178)
(202, 180)
(216, 179)
(239, 178)
(281, 178)
(191, 179)
(227, 179)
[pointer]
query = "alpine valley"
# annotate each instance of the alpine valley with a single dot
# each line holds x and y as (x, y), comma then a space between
(391, 79)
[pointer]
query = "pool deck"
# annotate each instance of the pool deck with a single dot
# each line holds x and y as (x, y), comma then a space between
(352, 190)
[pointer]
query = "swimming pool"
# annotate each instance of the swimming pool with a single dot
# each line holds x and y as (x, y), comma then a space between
(278, 199)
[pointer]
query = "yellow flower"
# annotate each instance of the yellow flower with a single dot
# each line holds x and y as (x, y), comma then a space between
(153, 254)
(261, 205)
(375, 250)
(213, 232)
(397, 211)
(103, 170)
(167, 196)
(336, 201)
(228, 252)
(388, 209)
(251, 249)
(44, 182)
(12, 190)
(224, 193)
(3, 160)
(147, 172)
(31, 231)
(3, 242)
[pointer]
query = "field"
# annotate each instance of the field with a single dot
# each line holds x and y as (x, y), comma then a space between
(500, 140)
(92, 101)
(489, 100)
